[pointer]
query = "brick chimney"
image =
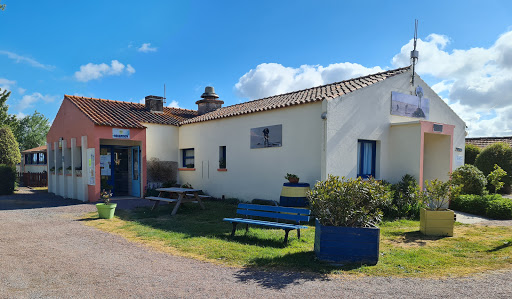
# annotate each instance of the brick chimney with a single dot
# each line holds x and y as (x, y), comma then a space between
(155, 104)
(209, 102)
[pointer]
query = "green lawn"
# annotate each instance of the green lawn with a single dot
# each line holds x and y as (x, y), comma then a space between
(404, 251)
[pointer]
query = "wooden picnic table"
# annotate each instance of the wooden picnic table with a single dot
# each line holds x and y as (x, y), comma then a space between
(182, 197)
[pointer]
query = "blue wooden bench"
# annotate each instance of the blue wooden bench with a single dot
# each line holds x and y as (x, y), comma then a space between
(274, 213)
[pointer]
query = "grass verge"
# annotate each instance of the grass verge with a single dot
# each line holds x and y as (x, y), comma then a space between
(404, 251)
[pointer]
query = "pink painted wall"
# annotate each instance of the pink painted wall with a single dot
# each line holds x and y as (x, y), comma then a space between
(103, 132)
(70, 122)
(428, 127)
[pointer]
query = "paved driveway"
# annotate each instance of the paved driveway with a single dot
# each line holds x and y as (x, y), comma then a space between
(46, 252)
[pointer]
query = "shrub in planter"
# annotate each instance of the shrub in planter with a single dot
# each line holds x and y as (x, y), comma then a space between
(471, 151)
(497, 153)
(347, 213)
(500, 209)
(470, 179)
(7, 179)
(106, 209)
(436, 219)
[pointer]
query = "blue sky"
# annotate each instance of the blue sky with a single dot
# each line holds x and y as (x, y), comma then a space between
(125, 50)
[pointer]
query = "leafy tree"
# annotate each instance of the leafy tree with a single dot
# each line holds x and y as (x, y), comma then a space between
(4, 116)
(9, 149)
(497, 153)
(471, 151)
(2, 6)
(495, 177)
(31, 130)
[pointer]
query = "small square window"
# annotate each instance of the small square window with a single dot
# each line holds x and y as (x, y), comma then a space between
(222, 157)
(188, 157)
(366, 152)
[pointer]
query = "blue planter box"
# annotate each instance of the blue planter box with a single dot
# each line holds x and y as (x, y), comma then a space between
(347, 245)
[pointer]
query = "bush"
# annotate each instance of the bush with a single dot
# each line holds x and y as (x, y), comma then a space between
(470, 178)
(471, 151)
(497, 153)
(494, 178)
(436, 194)
(500, 209)
(404, 203)
(9, 149)
(7, 179)
(352, 202)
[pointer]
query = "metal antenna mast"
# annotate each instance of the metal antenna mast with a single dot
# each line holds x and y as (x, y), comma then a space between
(414, 53)
(164, 94)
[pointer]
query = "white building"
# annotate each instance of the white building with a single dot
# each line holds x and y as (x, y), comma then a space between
(379, 125)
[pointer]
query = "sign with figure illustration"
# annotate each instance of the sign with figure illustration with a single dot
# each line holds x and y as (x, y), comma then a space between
(120, 133)
(269, 136)
(410, 105)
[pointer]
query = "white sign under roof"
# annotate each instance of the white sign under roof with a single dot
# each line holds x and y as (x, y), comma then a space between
(120, 133)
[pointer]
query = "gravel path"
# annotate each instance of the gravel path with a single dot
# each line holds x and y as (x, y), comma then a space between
(45, 252)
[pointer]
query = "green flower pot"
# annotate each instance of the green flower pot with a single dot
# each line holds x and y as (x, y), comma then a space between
(106, 211)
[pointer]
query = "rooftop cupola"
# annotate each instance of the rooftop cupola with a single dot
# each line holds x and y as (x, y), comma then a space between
(155, 104)
(209, 102)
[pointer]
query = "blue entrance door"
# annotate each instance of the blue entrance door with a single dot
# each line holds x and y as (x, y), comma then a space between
(136, 171)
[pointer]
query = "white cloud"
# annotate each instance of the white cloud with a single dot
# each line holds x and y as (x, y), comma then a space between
(442, 86)
(29, 101)
(18, 58)
(93, 71)
(174, 104)
(146, 47)
(6, 84)
(478, 80)
(272, 78)
(21, 90)
(20, 115)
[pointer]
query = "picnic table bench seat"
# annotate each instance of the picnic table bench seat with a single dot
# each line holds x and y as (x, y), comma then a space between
(271, 215)
(200, 196)
(161, 198)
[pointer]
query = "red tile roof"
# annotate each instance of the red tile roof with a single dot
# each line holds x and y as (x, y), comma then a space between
(35, 150)
(305, 96)
(486, 141)
(127, 114)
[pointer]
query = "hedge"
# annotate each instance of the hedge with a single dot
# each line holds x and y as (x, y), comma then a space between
(500, 209)
(493, 206)
(7, 179)
(497, 153)
(471, 151)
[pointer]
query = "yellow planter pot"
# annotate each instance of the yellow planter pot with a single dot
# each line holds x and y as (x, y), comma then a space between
(436, 223)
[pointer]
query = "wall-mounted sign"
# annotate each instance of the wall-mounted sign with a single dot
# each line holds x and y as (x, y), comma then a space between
(459, 161)
(120, 134)
(105, 161)
(409, 105)
(91, 167)
(270, 136)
